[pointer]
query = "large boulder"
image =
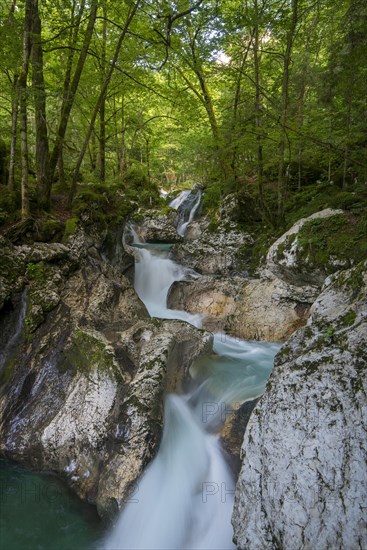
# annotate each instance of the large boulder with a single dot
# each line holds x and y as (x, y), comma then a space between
(303, 478)
(251, 309)
(310, 250)
(157, 226)
(211, 251)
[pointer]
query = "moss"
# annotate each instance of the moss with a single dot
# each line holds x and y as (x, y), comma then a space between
(7, 371)
(348, 319)
(328, 244)
(88, 352)
(313, 198)
(36, 271)
(49, 229)
(70, 228)
(213, 226)
(308, 332)
(281, 355)
(353, 279)
(357, 385)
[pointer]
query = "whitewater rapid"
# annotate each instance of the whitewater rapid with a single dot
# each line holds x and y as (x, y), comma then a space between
(184, 499)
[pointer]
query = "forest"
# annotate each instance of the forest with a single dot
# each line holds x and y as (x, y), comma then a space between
(257, 97)
(183, 285)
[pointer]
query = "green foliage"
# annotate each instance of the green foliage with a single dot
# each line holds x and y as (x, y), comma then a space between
(212, 197)
(9, 202)
(348, 319)
(341, 237)
(88, 352)
(49, 229)
(314, 198)
(70, 228)
(36, 271)
(136, 176)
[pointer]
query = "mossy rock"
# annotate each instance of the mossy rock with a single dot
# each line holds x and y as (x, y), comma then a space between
(49, 230)
(71, 226)
(88, 351)
(333, 242)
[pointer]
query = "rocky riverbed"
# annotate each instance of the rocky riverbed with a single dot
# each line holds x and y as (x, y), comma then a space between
(83, 378)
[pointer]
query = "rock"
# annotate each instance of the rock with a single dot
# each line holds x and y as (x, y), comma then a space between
(156, 226)
(303, 478)
(211, 252)
(164, 356)
(231, 434)
(251, 309)
(196, 228)
(291, 260)
(82, 392)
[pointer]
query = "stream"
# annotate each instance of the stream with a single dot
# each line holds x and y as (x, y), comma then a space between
(185, 497)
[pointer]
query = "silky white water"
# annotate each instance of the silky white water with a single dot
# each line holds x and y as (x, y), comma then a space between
(186, 203)
(184, 500)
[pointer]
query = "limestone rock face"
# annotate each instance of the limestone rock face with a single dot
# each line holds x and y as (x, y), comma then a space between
(288, 259)
(211, 252)
(157, 226)
(251, 309)
(304, 475)
(163, 354)
(82, 387)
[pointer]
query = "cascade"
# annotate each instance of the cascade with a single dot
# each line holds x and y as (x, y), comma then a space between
(184, 499)
(186, 204)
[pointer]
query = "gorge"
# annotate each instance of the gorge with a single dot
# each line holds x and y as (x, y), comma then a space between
(100, 367)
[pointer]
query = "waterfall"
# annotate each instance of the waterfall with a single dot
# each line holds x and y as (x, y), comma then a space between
(184, 499)
(186, 203)
(181, 499)
(154, 274)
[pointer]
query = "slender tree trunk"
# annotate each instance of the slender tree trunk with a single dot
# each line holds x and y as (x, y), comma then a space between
(236, 103)
(283, 171)
(258, 114)
(42, 150)
(147, 153)
(22, 91)
(330, 150)
(117, 139)
(75, 21)
(102, 111)
(103, 91)
(13, 143)
(61, 169)
(206, 100)
(92, 149)
(68, 99)
(123, 150)
(258, 120)
(346, 143)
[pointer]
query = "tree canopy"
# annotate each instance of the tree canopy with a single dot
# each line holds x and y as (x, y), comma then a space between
(257, 96)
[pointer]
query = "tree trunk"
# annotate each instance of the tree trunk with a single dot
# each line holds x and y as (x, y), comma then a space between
(103, 91)
(22, 94)
(282, 171)
(13, 143)
(61, 169)
(42, 150)
(346, 143)
(123, 151)
(258, 114)
(236, 103)
(68, 99)
(329, 148)
(102, 111)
